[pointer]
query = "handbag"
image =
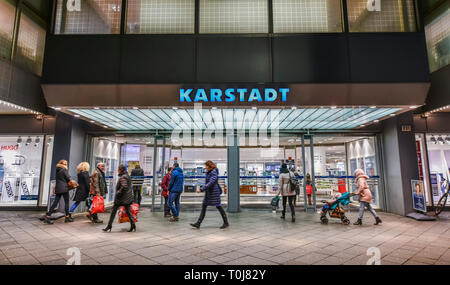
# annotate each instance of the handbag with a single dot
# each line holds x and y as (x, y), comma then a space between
(123, 217)
(275, 201)
(72, 184)
(98, 205)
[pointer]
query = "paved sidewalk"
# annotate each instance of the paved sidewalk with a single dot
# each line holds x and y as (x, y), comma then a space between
(255, 237)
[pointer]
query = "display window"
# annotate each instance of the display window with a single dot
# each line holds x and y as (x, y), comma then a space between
(21, 160)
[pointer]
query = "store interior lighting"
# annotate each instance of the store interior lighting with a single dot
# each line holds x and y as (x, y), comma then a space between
(433, 140)
(29, 141)
(19, 141)
(37, 141)
(18, 108)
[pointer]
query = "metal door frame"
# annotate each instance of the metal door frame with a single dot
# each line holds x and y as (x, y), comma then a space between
(313, 179)
(155, 176)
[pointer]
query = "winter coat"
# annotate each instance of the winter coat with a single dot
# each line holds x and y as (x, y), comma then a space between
(176, 180)
(285, 185)
(62, 178)
(82, 191)
(124, 192)
(362, 189)
(212, 189)
(98, 185)
(165, 185)
(137, 172)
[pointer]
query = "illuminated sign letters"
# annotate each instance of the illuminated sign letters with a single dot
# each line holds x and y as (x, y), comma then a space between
(74, 5)
(199, 95)
(374, 5)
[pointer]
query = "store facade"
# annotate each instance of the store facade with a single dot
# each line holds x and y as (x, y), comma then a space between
(325, 94)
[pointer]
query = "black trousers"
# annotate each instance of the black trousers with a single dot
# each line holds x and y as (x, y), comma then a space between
(56, 202)
(114, 211)
(219, 208)
(137, 194)
(291, 204)
(166, 206)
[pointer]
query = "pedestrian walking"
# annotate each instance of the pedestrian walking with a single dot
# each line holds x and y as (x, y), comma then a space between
(175, 189)
(124, 197)
(286, 190)
(365, 197)
(82, 192)
(97, 187)
(137, 180)
(165, 192)
(212, 195)
(61, 190)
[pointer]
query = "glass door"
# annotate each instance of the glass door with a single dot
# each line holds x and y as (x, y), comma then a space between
(309, 181)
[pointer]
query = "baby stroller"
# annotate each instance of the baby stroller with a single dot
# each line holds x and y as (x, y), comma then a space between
(335, 210)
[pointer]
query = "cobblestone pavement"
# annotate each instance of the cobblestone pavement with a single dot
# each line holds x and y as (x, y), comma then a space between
(254, 238)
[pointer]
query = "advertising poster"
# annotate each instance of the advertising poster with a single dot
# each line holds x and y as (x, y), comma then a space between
(9, 189)
(418, 196)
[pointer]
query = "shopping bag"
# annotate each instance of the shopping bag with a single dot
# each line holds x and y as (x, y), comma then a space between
(98, 205)
(275, 201)
(123, 217)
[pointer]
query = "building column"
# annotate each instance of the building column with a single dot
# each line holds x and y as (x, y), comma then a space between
(233, 172)
(400, 163)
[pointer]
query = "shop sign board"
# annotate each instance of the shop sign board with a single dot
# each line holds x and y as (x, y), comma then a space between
(231, 95)
(418, 196)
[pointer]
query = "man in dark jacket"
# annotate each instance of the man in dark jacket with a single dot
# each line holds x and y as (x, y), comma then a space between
(137, 180)
(124, 197)
(97, 187)
(175, 189)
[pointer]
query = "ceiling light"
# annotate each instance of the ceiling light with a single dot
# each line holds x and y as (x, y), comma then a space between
(135, 108)
(37, 141)
(433, 140)
(92, 121)
(376, 121)
(29, 140)
(19, 140)
(373, 107)
(333, 107)
(96, 108)
(77, 116)
(57, 108)
(49, 141)
(293, 107)
(175, 108)
(412, 107)
(440, 140)
(392, 115)
(253, 108)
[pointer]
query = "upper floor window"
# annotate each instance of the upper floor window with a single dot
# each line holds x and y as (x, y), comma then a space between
(307, 16)
(29, 51)
(7, 18)
(234, 16)
(161, 17)
(88, 16)
(381, 16)
(438, 41)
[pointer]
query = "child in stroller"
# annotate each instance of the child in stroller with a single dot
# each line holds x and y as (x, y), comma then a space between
(334, 209)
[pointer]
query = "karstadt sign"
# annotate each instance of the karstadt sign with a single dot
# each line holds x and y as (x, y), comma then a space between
(230, 95)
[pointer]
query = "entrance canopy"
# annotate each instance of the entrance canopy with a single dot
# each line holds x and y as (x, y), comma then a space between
(284, 119)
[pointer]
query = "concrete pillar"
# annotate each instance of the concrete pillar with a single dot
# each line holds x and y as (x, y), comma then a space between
(400, 164)
(233, 187)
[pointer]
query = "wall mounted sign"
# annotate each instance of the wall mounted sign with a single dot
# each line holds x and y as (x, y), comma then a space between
(418, 196)
(229, 95)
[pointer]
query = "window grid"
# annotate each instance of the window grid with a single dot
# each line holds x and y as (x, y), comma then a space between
(307, 16)
(395, 16)
(234, 16)
(438, 41)
(95, 17)
(161, 17)
(30, 45)
(7, 18)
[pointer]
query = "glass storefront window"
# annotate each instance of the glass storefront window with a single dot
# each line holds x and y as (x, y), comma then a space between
(381, 16)
(233, 16)
(20, 169)
(307, 16)
(88, 17)
(7, 17)
(438, 41)
(30, 45)
(438, 146)
(160, 16)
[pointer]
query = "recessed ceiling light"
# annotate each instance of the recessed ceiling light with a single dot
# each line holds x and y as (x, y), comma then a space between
(135, 108)
(333, 107)
(376, 121)
(57, 108)
(373, 107)
(77, 116)
(392, 115)
(293, 107)
(92, 121)
(96, 108)
(412, 107)
(175, 108)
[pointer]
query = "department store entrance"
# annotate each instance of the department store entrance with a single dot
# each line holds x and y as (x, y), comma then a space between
(328, 159)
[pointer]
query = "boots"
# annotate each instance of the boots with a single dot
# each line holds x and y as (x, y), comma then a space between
(68, 219)
(377, 221)
(225, 222)
(358, 222)
(108, 228)
(48, 221)
(132, 228)
(196, 225)
(293, 219)
(174, 219)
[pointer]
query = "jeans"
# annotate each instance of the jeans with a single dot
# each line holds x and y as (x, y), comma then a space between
(219, 208)
(56, 202)
(367, 205)
(114, 211)
(174, 197)
(291, 205)
(166, 206)
(137, 194)
(74, 206)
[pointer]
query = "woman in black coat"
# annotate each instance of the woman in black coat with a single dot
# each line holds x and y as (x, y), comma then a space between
(61, 190)
(212, 194)
(82, 191)
(124, 197)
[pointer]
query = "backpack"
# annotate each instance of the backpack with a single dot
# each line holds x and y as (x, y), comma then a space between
(295, 185)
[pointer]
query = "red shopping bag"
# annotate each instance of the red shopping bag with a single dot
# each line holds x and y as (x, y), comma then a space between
(98, 205)
(123, 217)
